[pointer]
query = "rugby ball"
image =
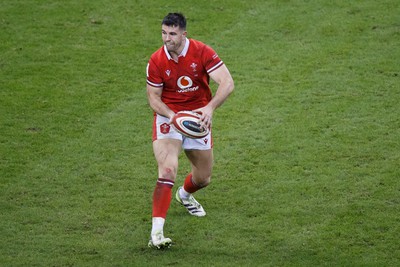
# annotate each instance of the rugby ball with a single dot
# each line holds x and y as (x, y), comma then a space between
(187, 123)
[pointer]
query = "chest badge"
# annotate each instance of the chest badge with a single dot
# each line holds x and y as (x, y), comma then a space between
(193, 66)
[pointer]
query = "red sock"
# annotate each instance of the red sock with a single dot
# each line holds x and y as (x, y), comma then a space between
(162, 197)
(189, 185)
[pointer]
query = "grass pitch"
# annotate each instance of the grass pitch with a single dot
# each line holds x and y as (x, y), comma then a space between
(307, 148)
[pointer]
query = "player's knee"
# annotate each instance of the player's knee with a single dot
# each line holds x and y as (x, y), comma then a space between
(168, 173)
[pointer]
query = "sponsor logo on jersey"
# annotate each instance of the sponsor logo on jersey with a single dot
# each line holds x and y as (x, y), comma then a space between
(186, 85)
(184, 82)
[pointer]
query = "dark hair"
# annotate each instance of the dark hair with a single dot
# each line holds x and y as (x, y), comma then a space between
(175, 19)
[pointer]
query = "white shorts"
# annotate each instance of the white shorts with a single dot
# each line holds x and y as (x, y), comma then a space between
(163, 130)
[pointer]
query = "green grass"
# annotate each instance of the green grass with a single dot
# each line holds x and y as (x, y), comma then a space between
(307, 148)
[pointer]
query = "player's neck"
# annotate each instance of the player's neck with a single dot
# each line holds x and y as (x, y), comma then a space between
(175, 56)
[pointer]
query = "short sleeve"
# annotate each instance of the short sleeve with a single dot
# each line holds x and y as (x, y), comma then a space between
(211, 59)
(153, 74)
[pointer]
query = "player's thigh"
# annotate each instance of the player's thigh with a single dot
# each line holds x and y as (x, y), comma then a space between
(202, 162)
(166, 152)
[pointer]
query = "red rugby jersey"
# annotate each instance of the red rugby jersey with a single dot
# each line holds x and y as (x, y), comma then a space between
(185, 83)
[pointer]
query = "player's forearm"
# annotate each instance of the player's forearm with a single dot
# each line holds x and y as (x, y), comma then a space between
(160, 107)
(224, 90)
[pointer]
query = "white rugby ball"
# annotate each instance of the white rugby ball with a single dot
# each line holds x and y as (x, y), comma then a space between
(187, 123)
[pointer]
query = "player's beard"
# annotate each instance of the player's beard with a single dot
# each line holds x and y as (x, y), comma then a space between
(173, 47)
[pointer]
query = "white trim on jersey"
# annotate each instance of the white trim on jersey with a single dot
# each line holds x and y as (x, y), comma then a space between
(183, 53)
(155, 84)
(167, 53)
(185, 49)
(215, 67)
(152, 84)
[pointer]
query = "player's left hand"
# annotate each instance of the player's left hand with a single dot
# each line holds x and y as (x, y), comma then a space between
(206, 116)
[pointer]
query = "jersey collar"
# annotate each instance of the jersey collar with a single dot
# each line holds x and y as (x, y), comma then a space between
(183, 53)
